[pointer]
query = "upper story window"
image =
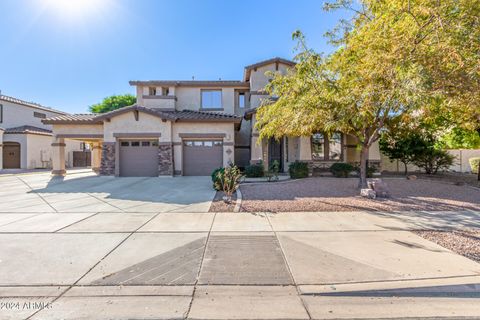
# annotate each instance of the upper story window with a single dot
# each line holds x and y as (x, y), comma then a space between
(152, 91)
(1, 113)
(327, 147)
(39, 115)
(241, 99)
(165, 91)
(211, 99)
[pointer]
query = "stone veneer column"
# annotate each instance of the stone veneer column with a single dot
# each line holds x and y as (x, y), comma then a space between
(165, 159)
(107, 163)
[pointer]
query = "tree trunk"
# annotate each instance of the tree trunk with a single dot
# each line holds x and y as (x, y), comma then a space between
(406, 168)
(362, 183)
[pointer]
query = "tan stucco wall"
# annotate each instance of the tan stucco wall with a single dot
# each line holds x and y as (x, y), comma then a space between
(159, 103)
(203, 128)
(126, 123)
(190, 98)
(15, 115)
(353, 154)
(78, 129)
(258, 79)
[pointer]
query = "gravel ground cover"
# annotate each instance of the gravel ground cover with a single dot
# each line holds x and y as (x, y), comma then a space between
(464, 242)
(337, 194)
(218, 205)
(449, 177)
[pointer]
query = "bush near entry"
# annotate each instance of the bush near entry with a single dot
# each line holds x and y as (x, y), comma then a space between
(217, 175)
(341, 169)
(298, 170)
(255, 170)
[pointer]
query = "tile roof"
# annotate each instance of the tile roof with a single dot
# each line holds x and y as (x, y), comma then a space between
(248, 69)
(29, 104)
(72, 118)
(28, 129)
(192, 83)
(184, 115)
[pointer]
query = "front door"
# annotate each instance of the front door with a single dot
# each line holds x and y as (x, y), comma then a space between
(11, 155)
(275, 152)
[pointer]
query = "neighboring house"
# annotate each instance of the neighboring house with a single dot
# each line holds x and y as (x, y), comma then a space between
(191, 128)
(25, 142)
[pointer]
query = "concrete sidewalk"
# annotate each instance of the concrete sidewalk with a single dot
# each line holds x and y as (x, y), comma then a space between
(146, 265)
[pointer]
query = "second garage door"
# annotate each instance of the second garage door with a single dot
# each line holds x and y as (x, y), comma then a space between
(201, 157)
(139, 158)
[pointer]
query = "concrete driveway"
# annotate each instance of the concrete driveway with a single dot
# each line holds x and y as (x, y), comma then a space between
(82, 191)
(180, 265)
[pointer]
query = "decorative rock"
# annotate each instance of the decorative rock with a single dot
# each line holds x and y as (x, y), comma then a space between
(165, 160)
(380, 187)
(411, 177)
(368, 193)
(107, 164)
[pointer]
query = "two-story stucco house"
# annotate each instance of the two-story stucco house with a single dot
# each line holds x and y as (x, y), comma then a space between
(25, 142)
(191, 128)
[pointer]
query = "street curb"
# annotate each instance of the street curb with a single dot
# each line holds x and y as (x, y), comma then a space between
(238, 203)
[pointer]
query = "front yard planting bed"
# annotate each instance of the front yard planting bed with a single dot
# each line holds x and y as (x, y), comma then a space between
(464, 242)
(341, 194)
(218, 205)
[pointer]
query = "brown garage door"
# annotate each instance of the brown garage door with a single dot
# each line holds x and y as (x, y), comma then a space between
(201, 157)
(139, 158)
(11, 155)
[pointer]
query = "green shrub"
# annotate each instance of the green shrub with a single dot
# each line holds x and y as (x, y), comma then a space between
(228, 181)
(255, 170)
(298, 170)
(431, 160)
(216, 177)
(474, 164)
(273, 170)
(341, 169)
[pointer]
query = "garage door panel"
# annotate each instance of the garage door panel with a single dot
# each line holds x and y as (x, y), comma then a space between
(139, 158)
(200, 158)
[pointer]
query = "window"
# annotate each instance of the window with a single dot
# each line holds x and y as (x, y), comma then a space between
(335, 146)
(135, 144)
(165, 91)
(39, 115)
(145, 143)
(211, 99)
(1, 113)
(327, 147)
(241, 99)
(154, 143)
(152, 91)
(124, 143)
(318, 146)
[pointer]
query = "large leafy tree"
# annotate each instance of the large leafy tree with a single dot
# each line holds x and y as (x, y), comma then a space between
(113, 102)
(394, 59)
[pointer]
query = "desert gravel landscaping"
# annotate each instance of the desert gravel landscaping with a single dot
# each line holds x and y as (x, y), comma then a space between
(465, 242)
(337, 194)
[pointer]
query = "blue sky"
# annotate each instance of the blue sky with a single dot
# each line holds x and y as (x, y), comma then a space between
(69, 54)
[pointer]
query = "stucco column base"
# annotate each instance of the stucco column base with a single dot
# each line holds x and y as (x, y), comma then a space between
(96, 157)
(58, 157)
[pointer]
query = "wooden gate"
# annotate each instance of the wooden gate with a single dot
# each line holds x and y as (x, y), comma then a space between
(82, 158)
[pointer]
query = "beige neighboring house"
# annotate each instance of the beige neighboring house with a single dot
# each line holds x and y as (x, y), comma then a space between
(25, 142)
(191, 128)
